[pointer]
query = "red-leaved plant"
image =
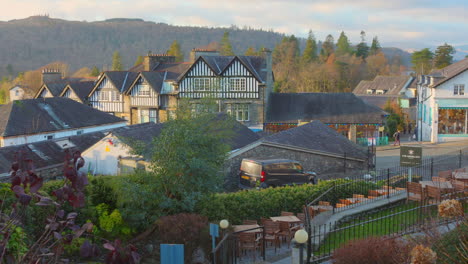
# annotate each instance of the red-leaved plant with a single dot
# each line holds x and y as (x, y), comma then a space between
(60, 228)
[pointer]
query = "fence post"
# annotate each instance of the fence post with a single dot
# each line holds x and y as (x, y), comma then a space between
(432, 167)
(388, 183)
(460, 159)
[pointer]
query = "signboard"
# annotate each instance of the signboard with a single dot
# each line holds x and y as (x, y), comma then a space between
(410, 156)
(172, 254)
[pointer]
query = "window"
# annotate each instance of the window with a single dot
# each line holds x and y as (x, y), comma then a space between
(452, 121)
(144, 116)
(49, 137)
(148, 115)
(201, 84)
(143, 90)
(153, 115)
(103, 96)
(369, 91)
(239, 111)
(17, 93)
(459, 89)
(237, 84)
(79, 132)
(115, 96)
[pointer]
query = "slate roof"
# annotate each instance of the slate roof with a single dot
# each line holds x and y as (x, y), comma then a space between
(317, 137)
(34, 116)
(154, 79)
(145, 133)
(173, 70)
(55, 88)
(330, 108)
(122, 80)
(392, 84)
(46, 153)
(81, 89)
(449, 72)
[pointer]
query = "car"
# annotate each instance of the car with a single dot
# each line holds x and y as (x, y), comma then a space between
(272, 173)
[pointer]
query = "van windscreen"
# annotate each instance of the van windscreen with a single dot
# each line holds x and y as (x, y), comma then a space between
(251, 168)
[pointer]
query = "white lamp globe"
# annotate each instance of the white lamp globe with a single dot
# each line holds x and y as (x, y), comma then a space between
(301, 236)
(224, 224)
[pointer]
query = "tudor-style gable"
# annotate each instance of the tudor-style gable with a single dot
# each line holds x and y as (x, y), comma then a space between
(43, 92)
(105, 96)
(70, 94)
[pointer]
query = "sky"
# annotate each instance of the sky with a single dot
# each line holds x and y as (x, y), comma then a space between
(408, 24)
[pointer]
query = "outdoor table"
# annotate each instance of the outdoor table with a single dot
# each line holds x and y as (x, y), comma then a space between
(241, 228)
(461, 176)
(440, 185)
(322, 208)
(291, 219)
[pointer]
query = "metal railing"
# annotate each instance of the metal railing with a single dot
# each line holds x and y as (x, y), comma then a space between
(372, 141)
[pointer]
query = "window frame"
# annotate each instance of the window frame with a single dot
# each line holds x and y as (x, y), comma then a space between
(241, 112)
(201, 84)
(459, 89)
(238, 84)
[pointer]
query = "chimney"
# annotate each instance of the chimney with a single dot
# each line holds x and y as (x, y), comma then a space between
(51, 75)
(195, 53)
(151, 61)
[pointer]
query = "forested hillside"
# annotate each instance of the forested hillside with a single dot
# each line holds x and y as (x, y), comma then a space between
(30, 43)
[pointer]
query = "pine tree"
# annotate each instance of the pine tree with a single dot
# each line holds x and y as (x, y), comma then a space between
(95, 71)
(422, 61)
(174, 50)
(226, 47)
(375, 47)
(362, 50)
(139, 60)
(117, 62)
(310, 51)
(327, 48)
(250, 51)
(443, 56)
(342, 45)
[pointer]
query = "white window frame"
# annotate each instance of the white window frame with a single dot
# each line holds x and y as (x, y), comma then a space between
(459, 89)
(241, 112)
(201, 84)
(104, 96)
(143, 90)
(238, 84)
(153, 115)
(369, 91)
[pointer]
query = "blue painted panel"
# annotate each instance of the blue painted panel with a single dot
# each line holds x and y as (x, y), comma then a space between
(214, 230)
(172, 254)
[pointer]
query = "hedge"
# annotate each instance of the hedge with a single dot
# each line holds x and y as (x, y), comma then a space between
(254, 204)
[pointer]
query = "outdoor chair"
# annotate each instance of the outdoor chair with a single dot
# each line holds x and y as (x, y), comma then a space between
(387, 187)
(445, 174)
(272, 229)
(311, 211)
(414, 192)
(345, 201)
(460, 188)
(263, 220)
(374, 193)
(460, 170)
(371, 197)
(301, 217)
(249, 222)
(358, 196)
(287, 214)
(400, 189)
(439, 179)
(285, 232)
(324, 203)
(433, 194)
(249, 242)
(340, 205)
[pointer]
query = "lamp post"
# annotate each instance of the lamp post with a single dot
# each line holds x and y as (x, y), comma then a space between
(301, 237)
(223, 224)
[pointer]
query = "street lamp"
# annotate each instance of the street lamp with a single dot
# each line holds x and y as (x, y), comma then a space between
(224, 223)
(301, 237)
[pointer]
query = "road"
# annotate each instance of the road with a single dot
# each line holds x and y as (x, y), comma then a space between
(389, 156)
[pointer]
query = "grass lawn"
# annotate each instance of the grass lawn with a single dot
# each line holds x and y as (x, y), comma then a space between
(377, 223)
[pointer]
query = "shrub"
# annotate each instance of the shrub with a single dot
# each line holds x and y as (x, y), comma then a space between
(254, 204)
(452, 247)
(373, 250)
(111, 223)
(188, 229)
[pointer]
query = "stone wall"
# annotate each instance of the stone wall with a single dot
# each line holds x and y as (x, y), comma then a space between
(325, 166)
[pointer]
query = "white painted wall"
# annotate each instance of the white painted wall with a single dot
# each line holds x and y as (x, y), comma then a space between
(102, 157)
(446, 89)
(17, 140)
(16, 93)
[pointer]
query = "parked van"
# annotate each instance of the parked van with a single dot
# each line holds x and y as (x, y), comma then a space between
(272, 173)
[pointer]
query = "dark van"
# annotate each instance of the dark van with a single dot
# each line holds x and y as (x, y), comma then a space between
(272, 173)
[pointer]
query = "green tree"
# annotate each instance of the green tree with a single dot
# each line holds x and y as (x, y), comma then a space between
(327, 47)
(95, 71)
(189, 154)
(342, 45)
(139, 60)
(443, 56)
(310, 51)
(375, 46)
(250, 51)
(226, 47)
(117, 62)
(362, 50)
(422, 61)
(175, 50)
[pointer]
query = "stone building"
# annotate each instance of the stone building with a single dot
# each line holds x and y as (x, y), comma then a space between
(316, 146)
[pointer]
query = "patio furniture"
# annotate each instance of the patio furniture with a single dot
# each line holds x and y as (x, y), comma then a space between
(386, 187)
(459, 170)
(461, 176)
(345, 201)
(286, 213)
(324, 203)
(285, 232)
(340, 205)
(445, 174)
(290, 219)
(249, 222)
(243, 228)
(433, 194)
(374, 193)
(322, 208)
(358, 196)
(439, 179)
(415, 192)
(249, 242)
(301, 217)
(271, 233)
(460, 188)
(400, 189)
(444, 186)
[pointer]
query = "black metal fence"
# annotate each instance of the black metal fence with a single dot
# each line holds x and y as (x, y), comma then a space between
(391, 221)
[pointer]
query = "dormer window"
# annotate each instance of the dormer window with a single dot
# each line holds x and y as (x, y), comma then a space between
(381, 91)
(459, 89)
(369, 91)
(144, 90)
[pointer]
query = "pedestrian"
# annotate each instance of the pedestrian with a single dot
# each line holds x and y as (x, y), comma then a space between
(396, 136)
(409, 128)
